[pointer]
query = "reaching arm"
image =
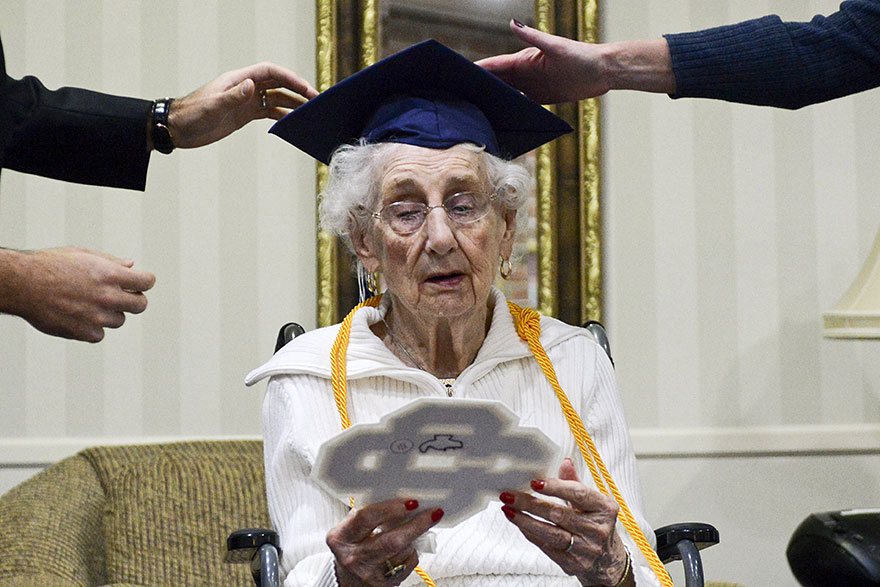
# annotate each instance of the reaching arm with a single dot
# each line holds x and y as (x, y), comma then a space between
(234, 99)
(555, 69)
(764, 61)
(769, 62)
(70, 292)
(83, 136)
(73, 134)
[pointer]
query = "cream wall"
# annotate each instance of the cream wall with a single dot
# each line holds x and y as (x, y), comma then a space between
(731, 228)
(228, 230)
(728, 230)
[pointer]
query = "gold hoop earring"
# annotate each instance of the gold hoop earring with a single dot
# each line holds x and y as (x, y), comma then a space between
(372, 283)
(506, 268)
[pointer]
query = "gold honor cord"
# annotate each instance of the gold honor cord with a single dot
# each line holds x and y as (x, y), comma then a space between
(337, 380)
(528, 326)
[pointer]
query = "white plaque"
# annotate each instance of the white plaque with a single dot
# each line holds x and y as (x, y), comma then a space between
(452, 453)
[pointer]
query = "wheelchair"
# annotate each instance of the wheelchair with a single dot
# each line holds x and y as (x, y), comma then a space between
(261, 547)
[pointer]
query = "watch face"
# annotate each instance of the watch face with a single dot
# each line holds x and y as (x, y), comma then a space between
(162, 139)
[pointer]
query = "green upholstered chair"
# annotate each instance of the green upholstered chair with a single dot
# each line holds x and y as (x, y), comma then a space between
(141, 515)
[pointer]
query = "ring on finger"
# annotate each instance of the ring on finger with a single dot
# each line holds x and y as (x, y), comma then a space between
(570, 545)
(263, 103)
(392, 570)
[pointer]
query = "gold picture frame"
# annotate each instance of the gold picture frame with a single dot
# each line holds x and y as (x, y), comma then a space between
(567, 170)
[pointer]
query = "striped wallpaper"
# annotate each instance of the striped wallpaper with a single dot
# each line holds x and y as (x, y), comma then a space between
(228, 229)
(728, 230)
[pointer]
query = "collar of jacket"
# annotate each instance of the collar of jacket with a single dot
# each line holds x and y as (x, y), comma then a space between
(309, 353)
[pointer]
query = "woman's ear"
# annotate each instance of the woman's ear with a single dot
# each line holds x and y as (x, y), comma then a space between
(509, 233)
(364, 248)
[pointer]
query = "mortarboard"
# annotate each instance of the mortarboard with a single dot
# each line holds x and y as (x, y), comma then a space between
(426, 95)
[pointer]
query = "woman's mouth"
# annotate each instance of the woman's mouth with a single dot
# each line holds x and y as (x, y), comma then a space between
(446, 280)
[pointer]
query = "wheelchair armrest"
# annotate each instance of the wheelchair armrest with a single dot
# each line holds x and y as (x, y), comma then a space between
(668, 537)
(260, 548)
(242, 545)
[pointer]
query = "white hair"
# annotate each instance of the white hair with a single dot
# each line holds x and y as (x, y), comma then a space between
(354, 183)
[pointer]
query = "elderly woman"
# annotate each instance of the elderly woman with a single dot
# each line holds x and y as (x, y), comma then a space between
(427, 198)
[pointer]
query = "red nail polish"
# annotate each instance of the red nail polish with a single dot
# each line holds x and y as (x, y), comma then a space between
(507, 498)
(538, 484)
(508, 511)
(518, 23)
(411, 504)
(436, 515)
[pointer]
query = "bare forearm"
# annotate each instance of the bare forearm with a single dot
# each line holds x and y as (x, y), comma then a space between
(11, 271)
(639, 65)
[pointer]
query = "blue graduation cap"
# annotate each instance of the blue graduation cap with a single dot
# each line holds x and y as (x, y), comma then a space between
(426, 95)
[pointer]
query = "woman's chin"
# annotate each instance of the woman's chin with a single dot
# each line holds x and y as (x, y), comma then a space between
(445, 302)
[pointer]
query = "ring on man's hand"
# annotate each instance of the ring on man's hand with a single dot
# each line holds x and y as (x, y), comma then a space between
(392, 570)
(570, 545)
(263, 104)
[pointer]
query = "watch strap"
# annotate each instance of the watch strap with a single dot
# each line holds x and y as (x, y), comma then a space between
(160, 134)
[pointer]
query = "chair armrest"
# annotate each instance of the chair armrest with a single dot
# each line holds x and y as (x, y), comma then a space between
(261, 549)
(242, 545)
(53, 530)
(668, 537)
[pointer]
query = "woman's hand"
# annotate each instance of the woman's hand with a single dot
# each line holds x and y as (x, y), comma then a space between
(555, 69)
(374, 545)
(580, 537)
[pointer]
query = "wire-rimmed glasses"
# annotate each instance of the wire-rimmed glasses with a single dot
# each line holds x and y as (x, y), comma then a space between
(406, 217)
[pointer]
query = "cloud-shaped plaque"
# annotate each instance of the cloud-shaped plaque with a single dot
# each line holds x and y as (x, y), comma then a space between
(457, 454)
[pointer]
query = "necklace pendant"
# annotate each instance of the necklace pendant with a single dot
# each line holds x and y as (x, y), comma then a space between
(447, 383)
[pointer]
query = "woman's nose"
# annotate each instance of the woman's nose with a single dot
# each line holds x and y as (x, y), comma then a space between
(440, 237)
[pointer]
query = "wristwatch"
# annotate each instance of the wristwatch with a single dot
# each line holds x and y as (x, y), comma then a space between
(159, 131)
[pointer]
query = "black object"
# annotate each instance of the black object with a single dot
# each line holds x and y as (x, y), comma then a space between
(683, 542)
(598, 331)
(668, 538)
(159, 132)
(837, 548)
(287, 333)
(260, 548)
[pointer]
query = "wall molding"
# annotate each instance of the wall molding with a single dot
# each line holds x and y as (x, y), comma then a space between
(649, 443)
(794, 440)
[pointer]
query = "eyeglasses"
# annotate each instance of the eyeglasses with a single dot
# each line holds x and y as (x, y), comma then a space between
(462, 208)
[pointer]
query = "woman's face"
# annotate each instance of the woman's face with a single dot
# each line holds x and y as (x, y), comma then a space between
(443, 269)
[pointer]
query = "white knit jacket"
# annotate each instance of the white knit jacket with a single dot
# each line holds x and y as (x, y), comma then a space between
(299, 414)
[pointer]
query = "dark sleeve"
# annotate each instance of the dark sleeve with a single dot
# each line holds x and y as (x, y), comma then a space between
(786, 64)
(72, 134)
